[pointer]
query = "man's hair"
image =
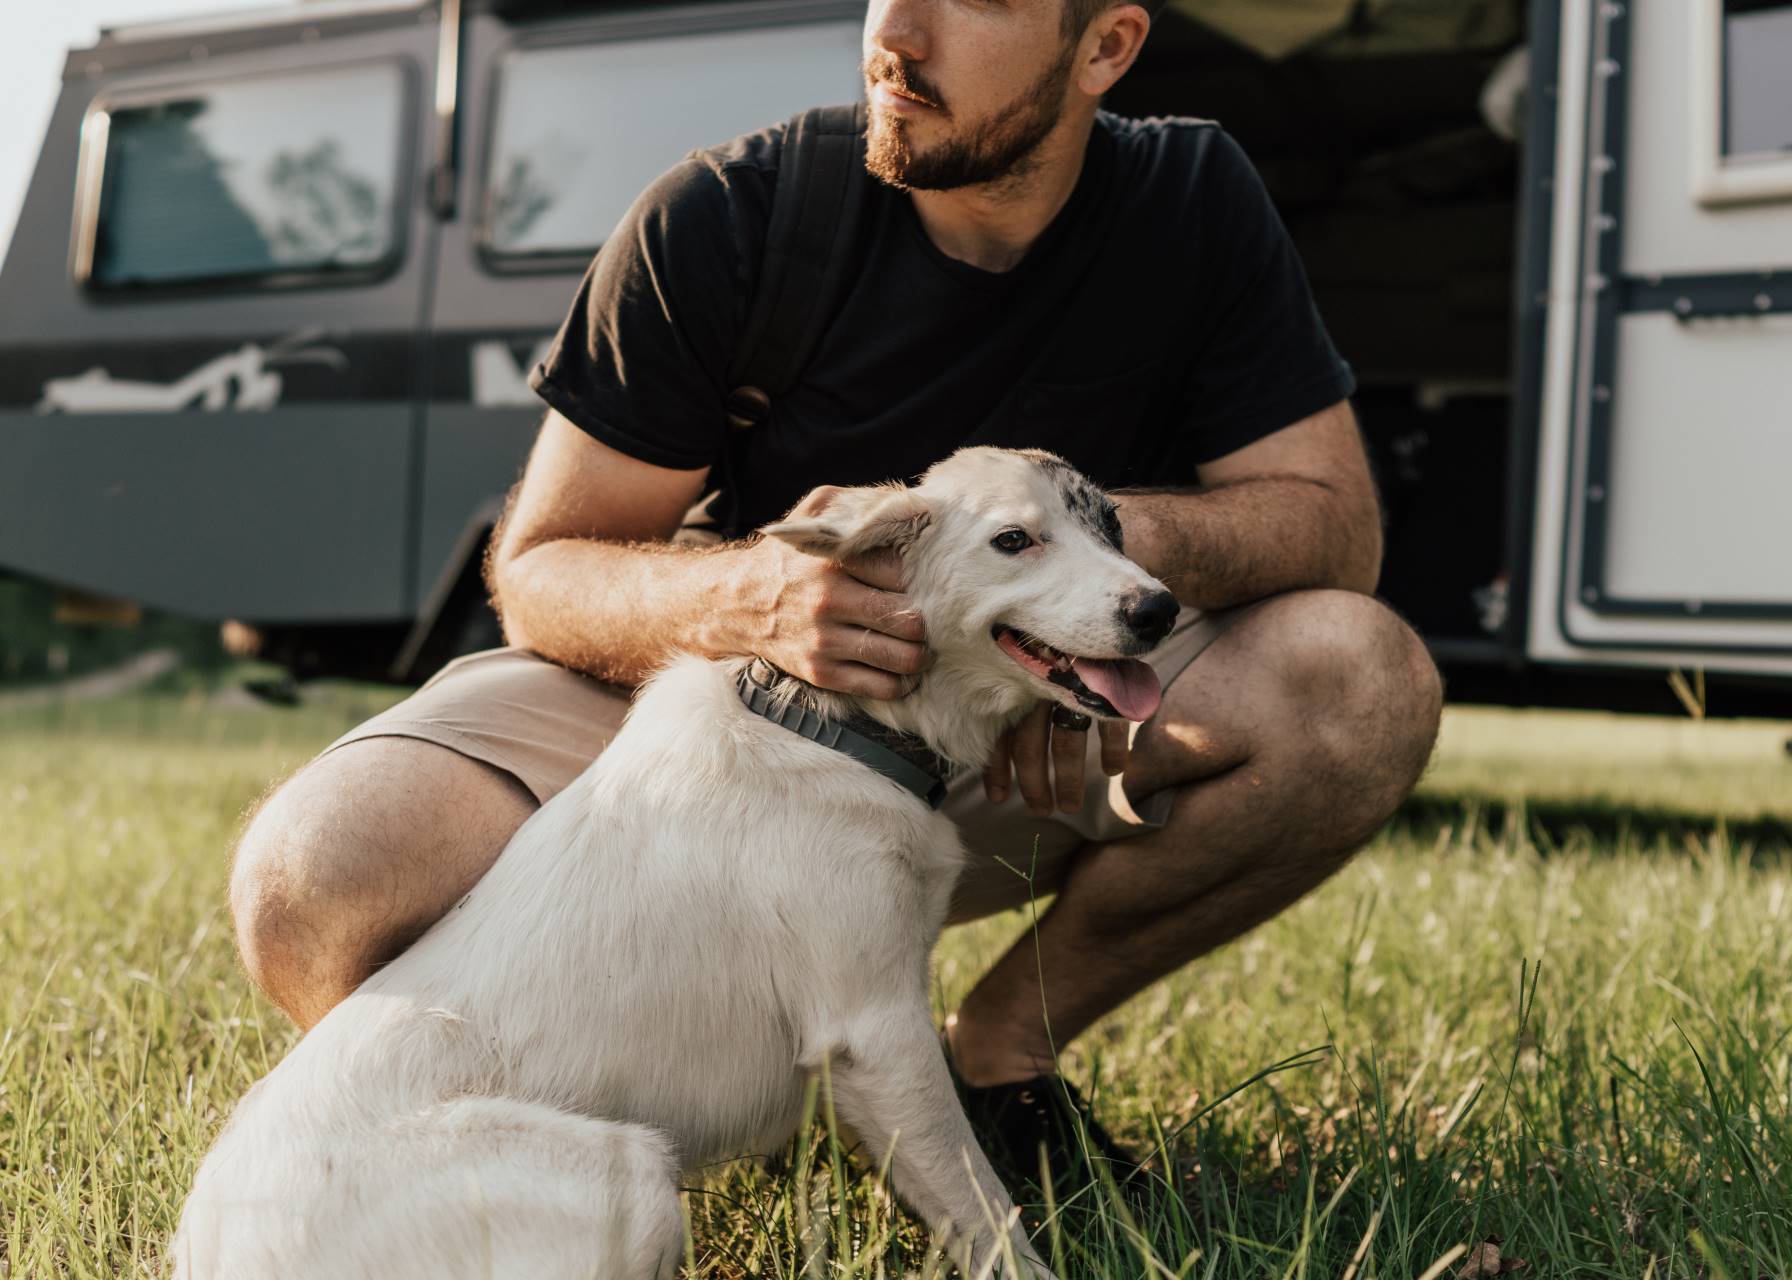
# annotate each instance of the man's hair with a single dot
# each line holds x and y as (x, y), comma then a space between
(1078, 14)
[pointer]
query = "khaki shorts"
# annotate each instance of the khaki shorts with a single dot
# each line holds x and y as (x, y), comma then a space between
(543, 724)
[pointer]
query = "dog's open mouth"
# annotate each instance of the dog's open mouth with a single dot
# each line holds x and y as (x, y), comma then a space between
(1123, 687)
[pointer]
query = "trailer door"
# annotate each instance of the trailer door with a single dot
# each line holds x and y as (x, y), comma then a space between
(209, 320)
(1664, 499)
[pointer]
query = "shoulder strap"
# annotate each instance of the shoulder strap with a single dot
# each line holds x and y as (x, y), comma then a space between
(816, 211)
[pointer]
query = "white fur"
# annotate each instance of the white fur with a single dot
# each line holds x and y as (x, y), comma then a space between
(662, 957)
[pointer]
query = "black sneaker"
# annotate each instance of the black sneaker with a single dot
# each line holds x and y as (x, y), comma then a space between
(1013, 1122)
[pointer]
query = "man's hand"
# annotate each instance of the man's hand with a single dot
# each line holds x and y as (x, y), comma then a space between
(842, 626)
(1047, 761)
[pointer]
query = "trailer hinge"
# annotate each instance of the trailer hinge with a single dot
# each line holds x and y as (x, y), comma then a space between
(444, 170)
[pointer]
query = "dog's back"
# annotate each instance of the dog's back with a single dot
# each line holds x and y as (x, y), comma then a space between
(646, 949)
(472, 1189)
(325, 1172)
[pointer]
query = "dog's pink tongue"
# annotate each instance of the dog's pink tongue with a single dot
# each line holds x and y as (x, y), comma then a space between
(1126, 682)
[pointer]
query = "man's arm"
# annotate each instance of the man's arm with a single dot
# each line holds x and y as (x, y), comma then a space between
(1296, 509)
(582, 573)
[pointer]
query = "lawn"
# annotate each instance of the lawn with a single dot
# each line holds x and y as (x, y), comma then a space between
(1548, 1005)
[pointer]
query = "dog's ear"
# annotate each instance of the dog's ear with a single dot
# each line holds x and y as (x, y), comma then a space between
(842, 523)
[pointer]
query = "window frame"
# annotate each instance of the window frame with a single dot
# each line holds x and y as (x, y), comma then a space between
(620, 29)
(1719, 178)
(493, 260)
(90, 177)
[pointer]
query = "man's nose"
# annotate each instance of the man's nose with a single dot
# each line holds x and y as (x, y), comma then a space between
(898, 27)
(1149, 614)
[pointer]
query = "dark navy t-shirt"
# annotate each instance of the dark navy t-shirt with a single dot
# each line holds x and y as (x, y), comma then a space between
(1161, 321)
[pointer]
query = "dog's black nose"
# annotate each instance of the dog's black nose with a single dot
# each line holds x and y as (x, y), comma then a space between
(1150, 614)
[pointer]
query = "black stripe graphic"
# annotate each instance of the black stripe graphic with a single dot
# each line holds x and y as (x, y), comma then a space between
(249, 373)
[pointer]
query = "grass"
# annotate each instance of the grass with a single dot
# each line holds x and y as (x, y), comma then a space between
(1569, 1035)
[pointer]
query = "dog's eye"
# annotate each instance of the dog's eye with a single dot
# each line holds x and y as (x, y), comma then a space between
(1011, 541)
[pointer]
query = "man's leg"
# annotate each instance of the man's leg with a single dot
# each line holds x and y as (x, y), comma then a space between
(1287, 744)
(364, 848)
(355, 856)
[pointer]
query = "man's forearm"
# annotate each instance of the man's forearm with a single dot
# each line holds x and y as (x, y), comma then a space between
(616, 610)
(1223, 545)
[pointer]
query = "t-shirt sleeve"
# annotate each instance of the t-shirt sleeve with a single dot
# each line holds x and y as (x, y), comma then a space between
(641, 360)
(1265, 361)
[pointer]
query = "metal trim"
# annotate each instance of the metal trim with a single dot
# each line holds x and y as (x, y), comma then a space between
(1565, 346)
(90, 177)
(1536, 204)
(444, 170)
(1697, 297)
(1719, 176)
(681, 19)
(298, 26)
(261, 16)
(1602, 216)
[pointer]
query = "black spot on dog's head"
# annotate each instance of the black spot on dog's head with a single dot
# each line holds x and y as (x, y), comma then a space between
(1090, 507)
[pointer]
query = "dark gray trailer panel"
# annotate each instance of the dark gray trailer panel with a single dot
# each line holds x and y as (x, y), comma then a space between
(296, 514)
(246, 448)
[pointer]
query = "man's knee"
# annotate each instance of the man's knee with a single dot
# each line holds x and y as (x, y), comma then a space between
(1367, 694)
(298, 884)
(355, 856)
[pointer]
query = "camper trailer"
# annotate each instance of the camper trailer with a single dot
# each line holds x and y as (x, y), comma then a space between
(279, 278)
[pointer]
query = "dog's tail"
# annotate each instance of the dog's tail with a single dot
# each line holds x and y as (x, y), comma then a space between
(475, 1189)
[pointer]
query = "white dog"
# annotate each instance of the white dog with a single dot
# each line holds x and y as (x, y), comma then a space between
(670, 948)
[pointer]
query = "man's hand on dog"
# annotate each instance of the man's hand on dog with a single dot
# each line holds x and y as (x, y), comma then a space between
(844, 626)
(1046, 761)
(847, 626)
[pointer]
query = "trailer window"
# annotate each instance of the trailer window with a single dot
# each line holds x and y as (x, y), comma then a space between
(288, 177)
(1757, 108)
(581, 130)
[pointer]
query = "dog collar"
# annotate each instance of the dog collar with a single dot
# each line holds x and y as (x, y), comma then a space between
(899, 757)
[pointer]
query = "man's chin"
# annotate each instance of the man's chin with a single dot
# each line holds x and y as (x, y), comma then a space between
(913, 153)
(901, 154)
(889, 149)
(888, 126)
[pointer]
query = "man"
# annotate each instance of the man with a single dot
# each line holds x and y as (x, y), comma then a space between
(1033, 274)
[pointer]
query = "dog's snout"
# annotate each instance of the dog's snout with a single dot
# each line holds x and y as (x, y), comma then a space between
(1149, 614)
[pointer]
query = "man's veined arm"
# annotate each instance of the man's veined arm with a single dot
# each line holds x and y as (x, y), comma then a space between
(1296, 509)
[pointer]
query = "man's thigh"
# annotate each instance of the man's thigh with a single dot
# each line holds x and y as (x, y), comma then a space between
(511, 710)
(1015, 854)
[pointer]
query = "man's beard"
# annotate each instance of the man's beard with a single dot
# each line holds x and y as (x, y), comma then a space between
(999, 148)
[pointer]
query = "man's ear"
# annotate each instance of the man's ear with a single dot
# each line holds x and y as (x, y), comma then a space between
(1118, 35)
(851, 522)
